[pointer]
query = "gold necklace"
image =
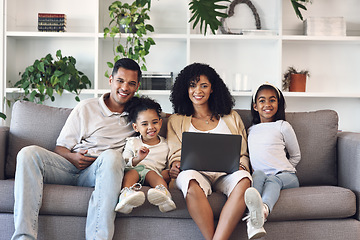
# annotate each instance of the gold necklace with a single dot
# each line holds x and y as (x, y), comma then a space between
(206, 121)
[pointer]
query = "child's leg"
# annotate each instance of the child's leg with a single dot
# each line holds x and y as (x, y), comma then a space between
(130, 198)
(273, 186)
(153, 179)
(165, 175)
(159, 194)
(259, 178)
(130, 178)
(271, 191)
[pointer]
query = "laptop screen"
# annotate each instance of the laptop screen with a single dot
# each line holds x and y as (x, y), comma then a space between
(210, 152)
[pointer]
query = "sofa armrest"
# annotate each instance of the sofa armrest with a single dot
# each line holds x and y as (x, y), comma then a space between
(348, 150)
(4, 133)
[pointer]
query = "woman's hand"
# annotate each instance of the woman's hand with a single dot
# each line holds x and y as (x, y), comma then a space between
(175, 169)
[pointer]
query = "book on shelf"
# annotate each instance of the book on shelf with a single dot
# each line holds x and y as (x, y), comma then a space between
(52, 28)
(51, 22)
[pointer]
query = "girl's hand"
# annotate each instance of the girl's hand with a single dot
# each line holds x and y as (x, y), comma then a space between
(142, 153)
(175, 169)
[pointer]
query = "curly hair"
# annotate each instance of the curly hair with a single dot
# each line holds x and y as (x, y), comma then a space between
(137, 105)
(280, 114)
(220, 101)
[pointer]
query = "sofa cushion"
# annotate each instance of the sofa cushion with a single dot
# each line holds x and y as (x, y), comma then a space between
(294, 204)
(33, 124)
(317, 136)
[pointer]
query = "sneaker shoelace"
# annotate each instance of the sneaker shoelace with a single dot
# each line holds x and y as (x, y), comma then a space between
(160, 187)
(247, 218)
(135, 187)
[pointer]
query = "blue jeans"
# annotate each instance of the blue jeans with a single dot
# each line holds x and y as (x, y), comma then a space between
(36, 166)
(269, 186)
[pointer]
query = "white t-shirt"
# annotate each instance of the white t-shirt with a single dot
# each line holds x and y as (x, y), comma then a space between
(220, 128)
(268, 144)
(156, 160)
(92, 126)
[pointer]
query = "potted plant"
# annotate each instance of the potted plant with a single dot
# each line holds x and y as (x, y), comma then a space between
(295, 81)
(46, 76)
(130, 19)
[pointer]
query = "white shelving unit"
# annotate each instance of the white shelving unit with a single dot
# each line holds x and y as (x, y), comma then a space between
(332, 61)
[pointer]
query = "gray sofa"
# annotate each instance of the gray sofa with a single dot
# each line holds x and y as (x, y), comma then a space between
(326, 206)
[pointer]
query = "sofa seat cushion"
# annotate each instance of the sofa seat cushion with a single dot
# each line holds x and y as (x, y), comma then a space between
(320, 202)
(325, 202)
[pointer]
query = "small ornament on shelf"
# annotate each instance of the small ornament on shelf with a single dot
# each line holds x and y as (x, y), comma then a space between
(52, 22)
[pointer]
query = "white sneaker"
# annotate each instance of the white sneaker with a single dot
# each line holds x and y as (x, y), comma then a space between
(161, 197)
(129, 199)
(254, 233)
(256, 218)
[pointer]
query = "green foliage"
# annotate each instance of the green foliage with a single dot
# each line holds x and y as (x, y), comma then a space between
(296, 5)
(3, 116)
(205, 12)
(130, 19)
(46, 76)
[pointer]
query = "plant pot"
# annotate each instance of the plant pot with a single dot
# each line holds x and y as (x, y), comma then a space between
(297, 83)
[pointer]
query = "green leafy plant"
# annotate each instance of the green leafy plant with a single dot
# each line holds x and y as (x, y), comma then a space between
(205, 12)
(287, 77)
(130, 19)
(2, 115)
(46, 76)
(297, 5)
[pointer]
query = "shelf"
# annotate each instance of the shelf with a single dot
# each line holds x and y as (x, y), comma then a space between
(232, 37)
(30, 34)
(154, 36)
(329, 39)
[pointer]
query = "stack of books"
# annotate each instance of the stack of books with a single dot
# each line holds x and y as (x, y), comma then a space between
(51, 22)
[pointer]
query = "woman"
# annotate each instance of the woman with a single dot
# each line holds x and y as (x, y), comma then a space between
(203, 103)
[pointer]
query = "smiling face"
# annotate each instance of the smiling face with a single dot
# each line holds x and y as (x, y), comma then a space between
(199, 92)
(124, 85)
(266, 105)
(148, 124)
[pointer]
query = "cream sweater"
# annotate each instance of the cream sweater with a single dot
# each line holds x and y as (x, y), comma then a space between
(178, 124)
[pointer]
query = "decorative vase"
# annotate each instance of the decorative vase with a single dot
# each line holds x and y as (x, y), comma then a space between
(297, 83)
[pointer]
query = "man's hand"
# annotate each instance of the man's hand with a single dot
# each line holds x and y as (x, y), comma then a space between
(80, 161)
(175, 169)
(77, 159)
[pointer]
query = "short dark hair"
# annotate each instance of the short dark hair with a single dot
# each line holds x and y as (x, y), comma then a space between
(220, 101)
(129, 64)
(137, 105)
(280, 114)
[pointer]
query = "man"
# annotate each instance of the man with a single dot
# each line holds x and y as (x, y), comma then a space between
(87, 153)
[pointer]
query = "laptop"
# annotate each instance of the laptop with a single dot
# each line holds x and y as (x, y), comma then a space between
(210, 152)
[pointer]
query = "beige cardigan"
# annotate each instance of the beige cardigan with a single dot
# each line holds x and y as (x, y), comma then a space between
(178, 124)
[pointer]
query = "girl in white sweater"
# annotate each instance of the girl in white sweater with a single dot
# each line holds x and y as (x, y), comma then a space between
(145, 156)
(273, 149)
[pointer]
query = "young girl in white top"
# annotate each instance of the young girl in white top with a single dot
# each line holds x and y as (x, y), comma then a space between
(146, 157)
(273, 149)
